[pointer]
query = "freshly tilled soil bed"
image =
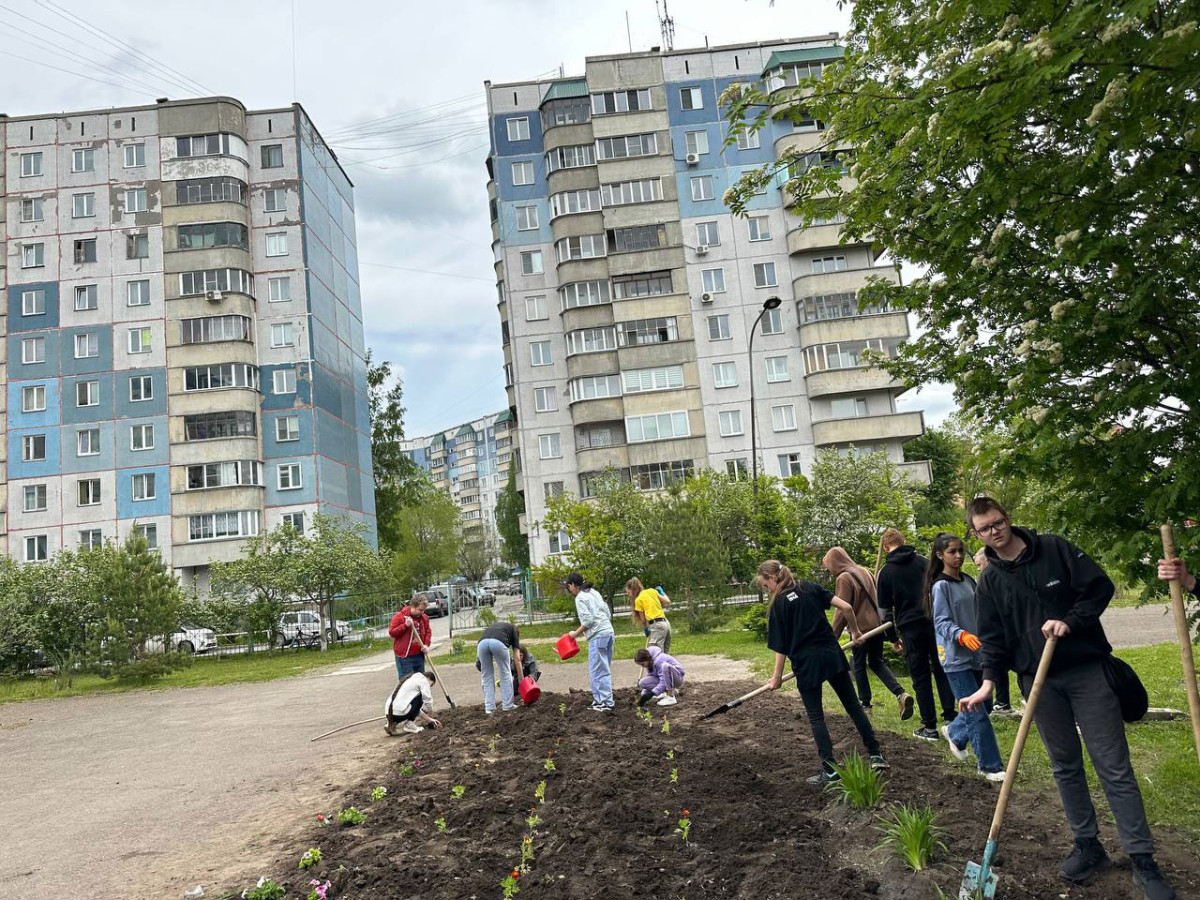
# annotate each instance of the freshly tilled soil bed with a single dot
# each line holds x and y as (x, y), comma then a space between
(608, 823)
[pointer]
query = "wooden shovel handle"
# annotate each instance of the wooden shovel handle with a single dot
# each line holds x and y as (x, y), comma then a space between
(1184, 638)
(869, 634)
(1014, 759)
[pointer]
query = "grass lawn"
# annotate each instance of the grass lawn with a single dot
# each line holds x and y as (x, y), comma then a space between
(204, 672)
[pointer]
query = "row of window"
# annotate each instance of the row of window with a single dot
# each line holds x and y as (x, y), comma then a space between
(137, 245)
(84, 250)
(87, 297)
(83, 205)
(137, 293)
(649, 477)
(140, 338)
(37, 545)
(82, 160)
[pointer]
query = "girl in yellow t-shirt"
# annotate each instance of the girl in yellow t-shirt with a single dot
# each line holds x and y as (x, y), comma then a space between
(646, 609)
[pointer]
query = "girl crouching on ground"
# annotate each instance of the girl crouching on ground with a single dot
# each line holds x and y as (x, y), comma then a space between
(663, 676)
(797, 630)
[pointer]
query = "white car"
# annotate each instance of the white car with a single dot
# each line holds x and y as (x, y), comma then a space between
(305, 624)
(188, 639)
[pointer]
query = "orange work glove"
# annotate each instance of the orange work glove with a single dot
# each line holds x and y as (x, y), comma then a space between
(969, 641)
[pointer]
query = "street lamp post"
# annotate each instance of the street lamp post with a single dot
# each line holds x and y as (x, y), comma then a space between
(769, 304)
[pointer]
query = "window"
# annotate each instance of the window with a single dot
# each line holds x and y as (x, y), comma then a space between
(587, 246)
(584, 293)
(224, 474)
(33, 256)
(560, 542)
(213, 234)
(598, 435)
(210, 329)
(141, 387)
(842, 305)
(624, 193)
(137, 293)
(272, 156)
(647, 331)
(149, 533)
(518, 129)
(649, 284)
(137, 246)
(724, 375)
(696, 142)
(284, 381)
(730, 422)
(535, 309)
(707, 234)
(777, 369)
(829, 264)
(665, 378)
(216, 280)
(33, 398)
(620, 101)
(86, 297)
(783, 418)
(549, 446)
(33, 448)
(275, 200)
(527, 218)
(760, 228)
(83, 206)
(85, 251)
(572, 157)
(210, 190)
(294, 520)
(718, 328)
(135, 155)
(789, 465)
(135, 200)
(544, 400)
(522, 173)
(627, 145)
(139, 340)
(747, 140)
(287, 428)
(283, 334)
(713, 280)
(207, 426)
(33, 303)
(737, 469)
(31, 209)
(772, 322)
(691, 98)
(539, 354)
(657, 427)
(83, 160)
(141, 437)
(223, 525)
(764, 275)
(279, 290)
(143, 486)
(638, 237)
(277, 243)
(31, 165)
(89, 492)
(848, 408)
(35, 498)
(91, 539)
(595, 387)
(289, 477)
(702, 187)
(33, 350)
(844, 355)
(552, 489)
(531, 262)
(575, 202)
(217, 377)
(87, 393)
(35, 545)
(87, 345)
(207, 145)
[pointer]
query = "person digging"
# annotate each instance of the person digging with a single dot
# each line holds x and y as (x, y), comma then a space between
(408, 703)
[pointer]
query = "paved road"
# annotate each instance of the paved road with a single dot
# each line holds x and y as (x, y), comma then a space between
(1140, 626)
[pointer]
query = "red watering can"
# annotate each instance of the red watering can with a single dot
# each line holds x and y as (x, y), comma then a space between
(529, 690)
(566, 646)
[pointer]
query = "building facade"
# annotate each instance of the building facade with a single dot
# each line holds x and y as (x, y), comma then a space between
(626, 288)
(183, 337)
(471, 461)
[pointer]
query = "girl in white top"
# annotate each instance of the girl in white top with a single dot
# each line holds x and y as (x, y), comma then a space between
(408, 703)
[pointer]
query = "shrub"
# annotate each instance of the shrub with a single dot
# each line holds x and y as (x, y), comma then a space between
(487, 617)
(912, 835)
(457, 647)
(755, 621)
(859, 785)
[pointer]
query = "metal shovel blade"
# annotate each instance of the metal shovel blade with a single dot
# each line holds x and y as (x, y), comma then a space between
(976, 885)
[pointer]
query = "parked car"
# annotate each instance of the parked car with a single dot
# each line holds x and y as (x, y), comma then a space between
(305, 624)
(438, 604)
(187, 639)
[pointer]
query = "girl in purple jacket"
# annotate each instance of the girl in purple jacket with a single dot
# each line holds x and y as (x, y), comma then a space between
(663, 676)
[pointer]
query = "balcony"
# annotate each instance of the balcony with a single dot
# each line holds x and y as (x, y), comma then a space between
(918, 471)
(855, 328)
(816, 237)
(869, 429)
(817, 283)
(857, 380)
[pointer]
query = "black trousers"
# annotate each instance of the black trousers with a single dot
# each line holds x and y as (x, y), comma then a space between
(870, 655)
(842, 686)
(1002, 691)
(920, 654)
(411, 714)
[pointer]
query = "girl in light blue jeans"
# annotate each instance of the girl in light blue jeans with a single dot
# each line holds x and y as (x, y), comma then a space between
(495, 661)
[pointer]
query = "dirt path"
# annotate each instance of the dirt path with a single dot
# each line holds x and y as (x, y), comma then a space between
(146, 794)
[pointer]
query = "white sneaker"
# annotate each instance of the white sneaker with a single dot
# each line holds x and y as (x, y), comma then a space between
(412, 728)
(667, 700)
(960, 753)
(997, 777)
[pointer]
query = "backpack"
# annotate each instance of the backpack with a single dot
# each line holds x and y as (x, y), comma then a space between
(1130, 691)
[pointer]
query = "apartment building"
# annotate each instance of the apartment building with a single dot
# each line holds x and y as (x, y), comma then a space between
(183, 337)
(627, 290)
(471, 461)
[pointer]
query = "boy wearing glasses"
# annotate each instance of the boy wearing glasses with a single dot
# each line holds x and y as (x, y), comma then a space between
(1035, 586)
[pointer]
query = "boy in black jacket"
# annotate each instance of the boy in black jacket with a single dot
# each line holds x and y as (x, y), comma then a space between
(1041, 585)
(901, 590)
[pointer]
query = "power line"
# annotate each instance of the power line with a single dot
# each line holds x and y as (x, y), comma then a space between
(38, 62)
(415, 165)
(427, 272)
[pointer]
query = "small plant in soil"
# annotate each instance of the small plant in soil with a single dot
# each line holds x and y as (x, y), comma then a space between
(311, 857)
(378, 793)
(457, 647)
(675, 776)
(351, 815)
(684, 828)
(670, 754)
(562, 709)
(526, 854)
(265, 889)
(533, 820)
(457, 791)
(323, 819)
(548, 765)
(408, 769)
(508, 887)
(319, 890)
(492, 743)
(859, 785)
(666, 729)
(540, 793)
(440, 824)
(912, 834)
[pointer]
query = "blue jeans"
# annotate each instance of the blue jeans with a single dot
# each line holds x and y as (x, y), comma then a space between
(494, 658)
(600, 654)
(406, 665)
(974, 728)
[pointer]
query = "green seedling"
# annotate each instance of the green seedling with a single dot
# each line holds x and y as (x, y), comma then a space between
(351, 816)
(265, 889)
(562, 709)
(508, 887)
(526, 854)
(533, 820)
(457, 791)
(540, 793)
(440, 824)
(859, 785)
(666, 729)
(492, 744)
(378, 793)
(408, 769)
(674, 776)
(670, 754)
(548, 765)
(912, 834)
(685, 827)
(311, 857)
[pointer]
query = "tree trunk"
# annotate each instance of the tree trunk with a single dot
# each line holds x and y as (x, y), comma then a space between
(324, 622)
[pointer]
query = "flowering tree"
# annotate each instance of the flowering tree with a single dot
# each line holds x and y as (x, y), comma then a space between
(1041, 163)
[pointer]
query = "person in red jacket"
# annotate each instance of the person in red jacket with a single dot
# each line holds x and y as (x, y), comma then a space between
(411, 636)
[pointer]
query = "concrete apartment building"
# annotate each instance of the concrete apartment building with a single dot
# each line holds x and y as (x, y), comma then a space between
(471, 461)
(183, 337)
(626, 289)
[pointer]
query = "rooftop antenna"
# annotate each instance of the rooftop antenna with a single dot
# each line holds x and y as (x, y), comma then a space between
(666, 25)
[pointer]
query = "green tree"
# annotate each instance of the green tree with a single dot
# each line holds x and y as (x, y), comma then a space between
(16, 632)
(945, 452)
(510, 506)
(331, 559)
(427, 540)
(1038, 162)
(475, 559)
(688, 553)
(260, 585)
(397, 478)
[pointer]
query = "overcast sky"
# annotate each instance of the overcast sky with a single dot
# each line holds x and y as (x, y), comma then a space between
(397, 90)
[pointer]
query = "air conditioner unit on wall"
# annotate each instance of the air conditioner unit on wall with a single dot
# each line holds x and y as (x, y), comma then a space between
(702, 250)
(706, 298)
(693, 159)
(214, 296)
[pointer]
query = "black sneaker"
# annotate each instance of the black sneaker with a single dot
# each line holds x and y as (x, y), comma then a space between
(1002, 708)
(823, 778)
(1087, 860)
(878, 763)
(1148, 877)
(927, 734)
(866, 707)
(905, 702)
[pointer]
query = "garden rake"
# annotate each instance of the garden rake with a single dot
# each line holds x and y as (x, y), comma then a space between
(979, 881)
